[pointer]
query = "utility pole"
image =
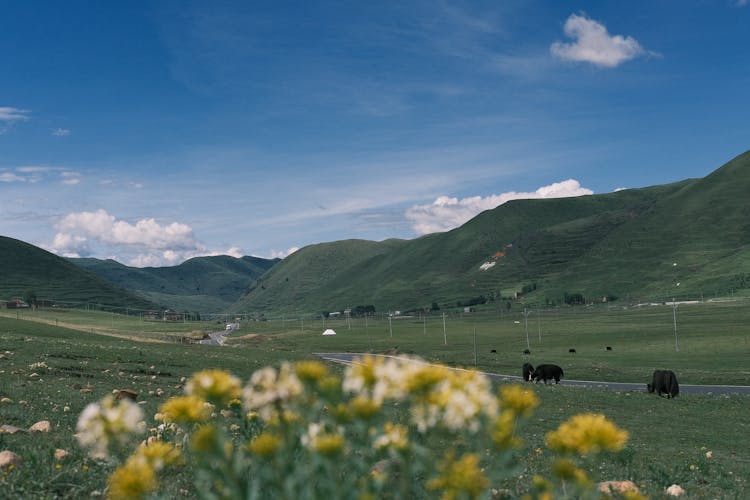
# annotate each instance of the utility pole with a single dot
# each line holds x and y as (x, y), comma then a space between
(526, 326)
(674, 316)
(445, 335)
(475, 347)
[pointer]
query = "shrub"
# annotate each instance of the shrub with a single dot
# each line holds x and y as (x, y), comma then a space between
(301, 431)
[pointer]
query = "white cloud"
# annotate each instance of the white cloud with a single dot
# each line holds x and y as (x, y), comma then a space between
(741, 3)
(151, 243)
(70, 178)
(11, 177)
(447, 213)
(594, 44)
(8, 114)
(60, 132)
(282, 254)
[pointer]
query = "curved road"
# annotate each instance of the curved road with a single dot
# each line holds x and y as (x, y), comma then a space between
(218, 338)
(348, 358)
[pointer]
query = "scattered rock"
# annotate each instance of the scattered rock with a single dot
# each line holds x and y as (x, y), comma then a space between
(41, 426)
(675, 490)
(10, 429)
(34, 375)
(6, 400)
(126, 394)
(617, 487)
(8, 458)
(60, 454)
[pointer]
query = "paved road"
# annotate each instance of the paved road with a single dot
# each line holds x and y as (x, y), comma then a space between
(218, 338)
(744, 390)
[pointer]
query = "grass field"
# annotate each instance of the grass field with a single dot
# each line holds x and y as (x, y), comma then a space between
(667, 437)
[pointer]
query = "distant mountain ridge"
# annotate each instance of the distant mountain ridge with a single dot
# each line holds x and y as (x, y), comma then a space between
(201, 284)
(686, 239)
(25, 268)
(630, 243)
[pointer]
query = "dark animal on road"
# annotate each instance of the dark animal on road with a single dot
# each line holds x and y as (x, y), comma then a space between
(493, 351)
(547, 372)
(526, 351)
(572, 351)
(664, 382)
(528, 370)
(609, 348)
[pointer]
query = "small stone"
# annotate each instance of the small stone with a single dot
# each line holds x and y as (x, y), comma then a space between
(617, 487)
(8, 458)
(60, 454)
(675, 490)
(6, 400)
(10, 429)
(41, 426)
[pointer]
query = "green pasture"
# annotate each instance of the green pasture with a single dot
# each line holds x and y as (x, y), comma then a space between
(667, 437)
(713, 340)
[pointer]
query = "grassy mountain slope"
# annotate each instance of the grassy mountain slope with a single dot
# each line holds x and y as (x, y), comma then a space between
(205, 284)
(617, 244)
(24, 267)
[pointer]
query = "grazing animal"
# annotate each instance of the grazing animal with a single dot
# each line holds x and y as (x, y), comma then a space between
(547, 372)
(528, 371)
(572, 351)
(664, 382)
(609, 348)
(526, 351)
(493, 351)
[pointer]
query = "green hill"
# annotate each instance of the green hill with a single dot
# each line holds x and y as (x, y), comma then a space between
(204, 284)
(25, 269)
(621, 244)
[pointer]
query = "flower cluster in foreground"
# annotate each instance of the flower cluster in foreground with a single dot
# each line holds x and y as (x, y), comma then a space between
(396, 427)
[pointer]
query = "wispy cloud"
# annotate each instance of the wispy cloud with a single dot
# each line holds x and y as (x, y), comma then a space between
(447, 213)
(9, 114)
(11, 177)
(61, 132)
(70, 178)
(593, 44)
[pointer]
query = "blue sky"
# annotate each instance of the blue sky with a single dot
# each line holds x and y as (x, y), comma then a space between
(151, 132)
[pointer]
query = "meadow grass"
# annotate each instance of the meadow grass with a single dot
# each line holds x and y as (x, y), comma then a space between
(667, 437)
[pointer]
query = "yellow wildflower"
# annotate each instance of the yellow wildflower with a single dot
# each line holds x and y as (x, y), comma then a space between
(364, 407)
(318, 439)
(565, 469)
(328, 444)
(587, 433)
(159, 454)
(310, 371)
(185, 410)
(503, 430)
(519, 399)
(204, 439)
(133, 480)
(265, 444)
(426, 377)
(216, 386)
(461, 478)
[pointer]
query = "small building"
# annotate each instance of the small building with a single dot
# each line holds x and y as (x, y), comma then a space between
(16, 303)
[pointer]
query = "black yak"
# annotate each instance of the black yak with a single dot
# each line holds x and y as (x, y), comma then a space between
(526, 351)
(572, 351)
(528, 371)
(547, 372)
(664, 382)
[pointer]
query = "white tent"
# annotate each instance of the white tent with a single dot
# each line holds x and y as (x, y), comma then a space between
(329, 332)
